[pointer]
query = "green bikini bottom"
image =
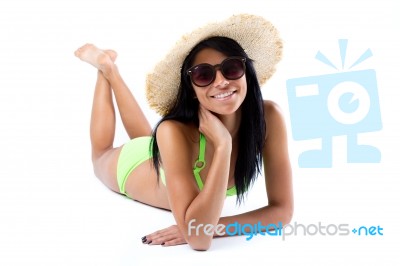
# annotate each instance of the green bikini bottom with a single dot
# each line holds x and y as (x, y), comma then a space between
(138, 150)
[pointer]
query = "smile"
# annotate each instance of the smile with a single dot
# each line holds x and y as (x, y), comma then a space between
(223, 95)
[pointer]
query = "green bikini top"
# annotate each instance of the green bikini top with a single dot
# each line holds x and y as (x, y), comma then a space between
(201, 163)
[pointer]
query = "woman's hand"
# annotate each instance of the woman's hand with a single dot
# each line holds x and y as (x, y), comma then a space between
(213, 128)
(170, 236)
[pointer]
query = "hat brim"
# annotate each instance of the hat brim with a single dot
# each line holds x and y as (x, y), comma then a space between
(257, 36)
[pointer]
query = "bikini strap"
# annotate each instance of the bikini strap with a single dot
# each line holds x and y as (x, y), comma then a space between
(200, 162)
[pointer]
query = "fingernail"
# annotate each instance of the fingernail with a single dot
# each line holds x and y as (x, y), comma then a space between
(149, 242)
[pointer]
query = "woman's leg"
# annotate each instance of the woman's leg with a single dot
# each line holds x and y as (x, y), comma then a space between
(142, 184)
(133, 118)
(102, 123)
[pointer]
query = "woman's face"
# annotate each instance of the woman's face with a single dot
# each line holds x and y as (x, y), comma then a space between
(222, 96)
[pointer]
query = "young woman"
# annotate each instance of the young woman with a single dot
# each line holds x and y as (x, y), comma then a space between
(214, 136)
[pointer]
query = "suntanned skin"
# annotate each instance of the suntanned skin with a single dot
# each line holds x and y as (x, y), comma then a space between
(179, 149)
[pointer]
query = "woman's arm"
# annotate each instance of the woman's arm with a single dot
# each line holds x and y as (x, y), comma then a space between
(189, 205)
(278, 180)
(278, 175)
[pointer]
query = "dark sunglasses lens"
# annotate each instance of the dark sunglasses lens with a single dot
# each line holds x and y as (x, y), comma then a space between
(202, 75)
(233, 68)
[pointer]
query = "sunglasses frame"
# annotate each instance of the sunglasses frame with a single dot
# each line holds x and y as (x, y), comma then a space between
(216, 67)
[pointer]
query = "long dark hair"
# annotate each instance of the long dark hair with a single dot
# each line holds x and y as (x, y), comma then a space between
(252, 128)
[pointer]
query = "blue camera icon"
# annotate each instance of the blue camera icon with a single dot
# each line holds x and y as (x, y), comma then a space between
(325, 106)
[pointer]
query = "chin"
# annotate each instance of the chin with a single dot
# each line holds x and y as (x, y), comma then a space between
(225, 111)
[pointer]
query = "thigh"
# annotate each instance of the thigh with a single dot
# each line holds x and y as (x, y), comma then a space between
(144, 186)
(105, 168)
(141, 183)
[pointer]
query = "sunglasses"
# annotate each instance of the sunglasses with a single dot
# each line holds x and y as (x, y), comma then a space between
(204, 74)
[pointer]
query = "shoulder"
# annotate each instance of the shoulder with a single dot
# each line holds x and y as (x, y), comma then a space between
(171, 133)
(271, 108)
(174, 129)
(276, 152)
(169, 127)
(276, 131)
(274, 118)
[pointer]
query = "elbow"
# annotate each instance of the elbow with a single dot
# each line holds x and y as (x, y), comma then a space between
(200, 247)
(284, 212)
(287, 213)
(200, 235)
(199, 244)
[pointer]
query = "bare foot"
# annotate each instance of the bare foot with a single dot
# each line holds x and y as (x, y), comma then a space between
(100, 59)
(112, 54)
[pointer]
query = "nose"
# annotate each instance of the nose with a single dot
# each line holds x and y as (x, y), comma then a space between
(220, 81)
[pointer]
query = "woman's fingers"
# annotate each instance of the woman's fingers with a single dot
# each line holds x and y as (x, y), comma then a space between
(169, 236)
(212, 127)
(174, 242)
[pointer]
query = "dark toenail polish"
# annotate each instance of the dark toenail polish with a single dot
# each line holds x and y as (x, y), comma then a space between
(162, 244)
(149, 242)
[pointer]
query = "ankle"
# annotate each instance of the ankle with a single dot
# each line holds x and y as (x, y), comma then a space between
(111, 72)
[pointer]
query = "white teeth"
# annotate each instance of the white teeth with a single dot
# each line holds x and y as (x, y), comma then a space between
(223, 95)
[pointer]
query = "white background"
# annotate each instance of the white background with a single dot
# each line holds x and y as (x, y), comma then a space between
(53, 211)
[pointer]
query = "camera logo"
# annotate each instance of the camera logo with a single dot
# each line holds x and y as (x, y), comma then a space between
(344, 103)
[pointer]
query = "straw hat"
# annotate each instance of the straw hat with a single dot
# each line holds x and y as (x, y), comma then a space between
(257, 36)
